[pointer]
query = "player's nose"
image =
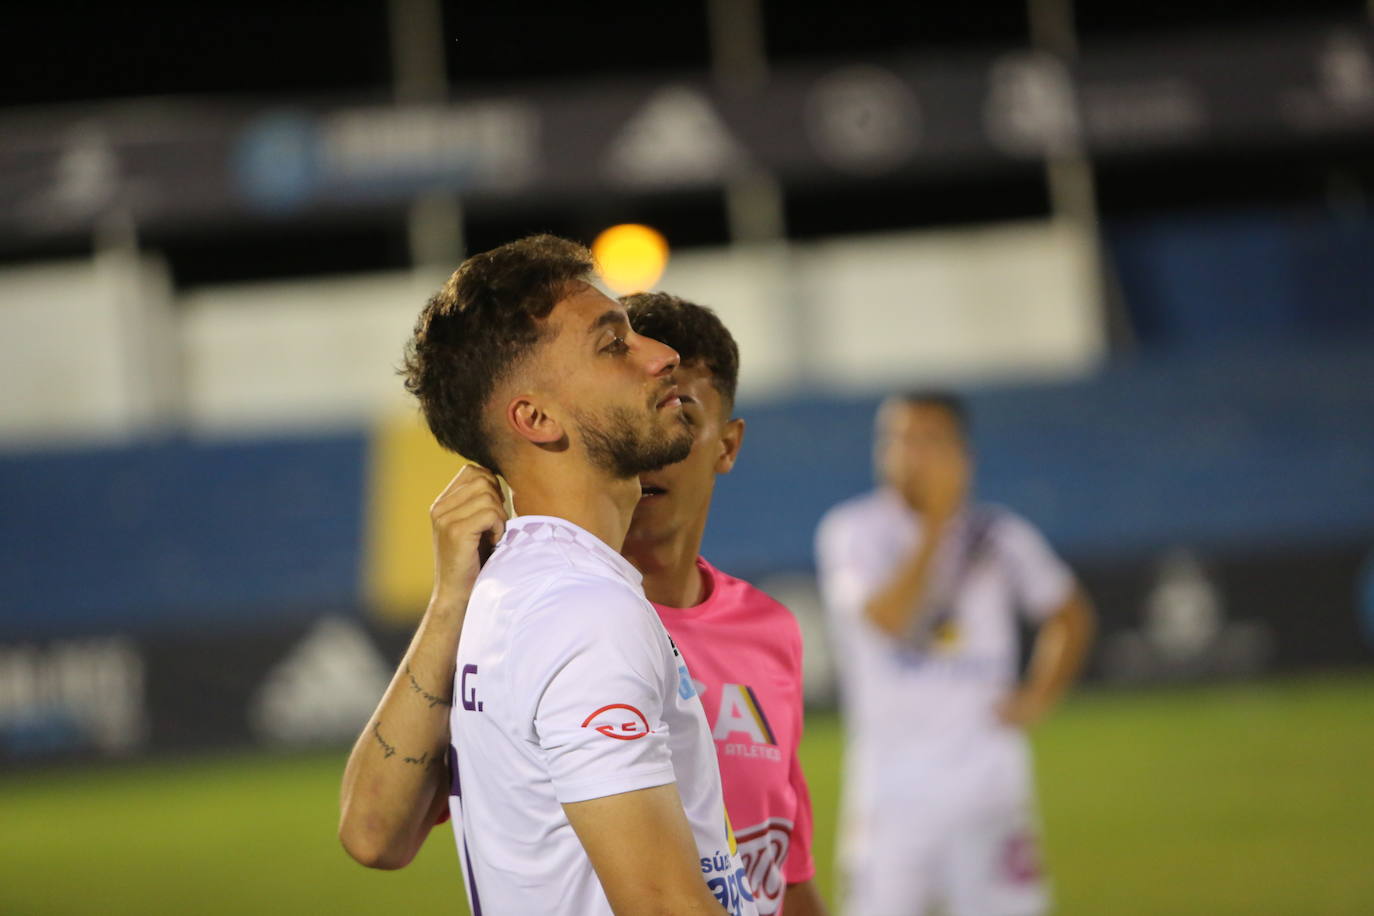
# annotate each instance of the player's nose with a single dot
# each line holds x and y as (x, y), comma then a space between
(660, 358)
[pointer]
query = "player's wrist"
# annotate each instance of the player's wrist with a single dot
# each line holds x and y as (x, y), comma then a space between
(447, 604)
(1036, 706)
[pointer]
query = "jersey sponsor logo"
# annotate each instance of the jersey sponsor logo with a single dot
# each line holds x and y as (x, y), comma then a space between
(763, 850)
(741, 713)
(620, 721)
(727, 881)
(686, 687)
(758, 751)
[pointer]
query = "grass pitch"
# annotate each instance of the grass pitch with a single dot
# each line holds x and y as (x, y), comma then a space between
(1247, 799)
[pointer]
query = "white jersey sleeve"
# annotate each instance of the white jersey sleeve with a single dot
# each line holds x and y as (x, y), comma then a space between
(596, 671)
(1040, 580)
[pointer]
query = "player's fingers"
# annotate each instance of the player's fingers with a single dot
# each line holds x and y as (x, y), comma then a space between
(468, 496)
(497, 526)
(455, 518)
(493, 522)
(462, 490)
(477, 521)
(470, 476)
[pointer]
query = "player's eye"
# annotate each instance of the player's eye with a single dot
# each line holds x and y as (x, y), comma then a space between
(616, 346)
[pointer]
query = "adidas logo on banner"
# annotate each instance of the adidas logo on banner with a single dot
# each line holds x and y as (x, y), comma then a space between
(677, 138)
(324, 690)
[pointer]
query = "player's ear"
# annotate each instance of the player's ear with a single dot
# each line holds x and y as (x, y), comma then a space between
(731, 438)
(531, 421)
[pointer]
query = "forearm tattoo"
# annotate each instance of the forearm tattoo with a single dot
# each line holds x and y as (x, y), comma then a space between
(433, 699)
(426, 759)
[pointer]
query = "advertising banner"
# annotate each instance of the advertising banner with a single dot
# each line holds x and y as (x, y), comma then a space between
(170, 163)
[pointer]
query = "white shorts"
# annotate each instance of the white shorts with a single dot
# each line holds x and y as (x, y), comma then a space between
(904, 858)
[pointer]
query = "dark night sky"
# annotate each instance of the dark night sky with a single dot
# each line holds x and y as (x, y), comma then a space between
(72, 51)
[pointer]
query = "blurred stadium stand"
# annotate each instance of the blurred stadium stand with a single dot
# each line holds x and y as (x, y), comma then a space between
(205, 453)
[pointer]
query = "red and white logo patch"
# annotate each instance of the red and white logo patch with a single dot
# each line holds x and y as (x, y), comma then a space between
(763, 849)
(620, 721)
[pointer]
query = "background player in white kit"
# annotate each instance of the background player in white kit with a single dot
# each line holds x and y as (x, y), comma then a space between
(584, 772)
(923, 589)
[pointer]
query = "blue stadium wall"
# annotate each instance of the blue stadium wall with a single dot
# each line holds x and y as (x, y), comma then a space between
(1219, 453)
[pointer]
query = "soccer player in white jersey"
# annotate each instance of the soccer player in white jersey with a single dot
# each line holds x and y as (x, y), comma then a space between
(583, 771)
(743, 648)
(923, 588)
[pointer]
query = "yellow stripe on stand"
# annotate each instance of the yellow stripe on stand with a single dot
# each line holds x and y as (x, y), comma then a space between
(407, 470)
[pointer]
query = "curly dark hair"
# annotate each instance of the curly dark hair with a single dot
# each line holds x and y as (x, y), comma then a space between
(475, 330)
(694, 331)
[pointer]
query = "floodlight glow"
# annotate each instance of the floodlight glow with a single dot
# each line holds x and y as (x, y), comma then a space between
(631, 257)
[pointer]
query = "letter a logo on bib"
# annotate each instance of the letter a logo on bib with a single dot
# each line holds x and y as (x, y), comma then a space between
(740, 712)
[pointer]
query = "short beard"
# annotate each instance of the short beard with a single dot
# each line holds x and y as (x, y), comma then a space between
(618, 447)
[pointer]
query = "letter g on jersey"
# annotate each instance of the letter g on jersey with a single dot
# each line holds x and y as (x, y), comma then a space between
(620, 721)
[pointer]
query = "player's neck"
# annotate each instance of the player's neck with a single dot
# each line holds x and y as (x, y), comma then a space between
(669, 565)
(590, 500)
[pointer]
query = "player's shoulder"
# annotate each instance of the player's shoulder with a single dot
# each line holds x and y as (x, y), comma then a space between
(761, 609)
(855, 514)
(860, 504)
(745, 593)
(1001, 521)
(581, 613)
(521, 569)
(551, 570)
(1014, 537)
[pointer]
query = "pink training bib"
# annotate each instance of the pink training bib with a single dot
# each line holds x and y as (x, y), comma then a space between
(745, 653)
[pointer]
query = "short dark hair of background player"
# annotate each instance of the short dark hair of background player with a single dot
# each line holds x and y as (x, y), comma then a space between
(694, 331)
(945, 400)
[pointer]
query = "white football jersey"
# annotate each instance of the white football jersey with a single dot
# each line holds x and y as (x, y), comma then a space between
(568, 688)
(920, 711)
